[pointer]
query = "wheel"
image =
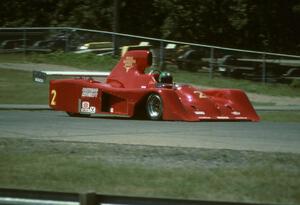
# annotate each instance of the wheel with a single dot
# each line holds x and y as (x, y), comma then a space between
(73, 114)
(154, 107)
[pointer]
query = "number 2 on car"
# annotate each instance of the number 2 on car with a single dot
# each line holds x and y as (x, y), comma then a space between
(200, 94)
(53, 97)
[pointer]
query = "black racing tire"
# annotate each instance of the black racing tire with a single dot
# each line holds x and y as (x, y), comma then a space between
(154, 107)
(73, 114)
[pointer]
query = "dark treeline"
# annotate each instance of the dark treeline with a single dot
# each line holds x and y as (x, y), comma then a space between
(265, 25)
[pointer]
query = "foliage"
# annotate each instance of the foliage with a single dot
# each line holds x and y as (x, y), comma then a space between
(76, 13)
(270, 25)
(262, 25)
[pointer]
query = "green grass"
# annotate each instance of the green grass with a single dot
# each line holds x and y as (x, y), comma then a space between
(280, 116)
(17, 87)
(151, 171)
(85, 61)
(263, 103)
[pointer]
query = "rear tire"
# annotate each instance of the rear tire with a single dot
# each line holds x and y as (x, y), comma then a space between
(154, 107)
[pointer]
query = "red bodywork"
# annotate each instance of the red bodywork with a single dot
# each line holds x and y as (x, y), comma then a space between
(127, 88)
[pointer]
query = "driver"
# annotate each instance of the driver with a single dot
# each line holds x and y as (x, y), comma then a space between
(165, 77)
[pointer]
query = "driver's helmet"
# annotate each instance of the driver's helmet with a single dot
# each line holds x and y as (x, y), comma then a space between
(165, 77)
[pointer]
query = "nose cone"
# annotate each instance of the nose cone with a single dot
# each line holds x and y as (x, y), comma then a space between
(222, 104)
(198, 103)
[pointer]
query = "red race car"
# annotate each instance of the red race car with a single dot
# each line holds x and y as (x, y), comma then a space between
(130, 92)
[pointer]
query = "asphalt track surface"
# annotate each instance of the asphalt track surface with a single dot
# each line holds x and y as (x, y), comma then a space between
(51, 125)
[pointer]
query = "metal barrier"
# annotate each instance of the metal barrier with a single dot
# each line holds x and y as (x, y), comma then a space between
(263, 66)
(21, 197)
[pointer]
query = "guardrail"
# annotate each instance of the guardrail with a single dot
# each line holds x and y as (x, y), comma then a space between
(228, 61)
(30, 197)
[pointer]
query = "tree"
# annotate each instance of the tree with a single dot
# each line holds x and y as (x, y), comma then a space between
(140, 18)
(269, 25)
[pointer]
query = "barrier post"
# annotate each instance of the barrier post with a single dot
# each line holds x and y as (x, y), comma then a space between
(87, 198)
(264, 70)
(161, 56)
(67, 38)
(24, 44)
(211, 63)
(115, 26)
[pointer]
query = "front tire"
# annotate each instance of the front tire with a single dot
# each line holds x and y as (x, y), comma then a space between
(73, 114)
(154, 107)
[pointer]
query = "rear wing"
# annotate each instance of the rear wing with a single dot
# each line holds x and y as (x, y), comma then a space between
(40, 76)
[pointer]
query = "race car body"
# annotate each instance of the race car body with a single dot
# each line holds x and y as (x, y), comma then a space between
(129, 91)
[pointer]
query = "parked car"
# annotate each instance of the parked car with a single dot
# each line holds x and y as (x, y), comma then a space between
(253, 69)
